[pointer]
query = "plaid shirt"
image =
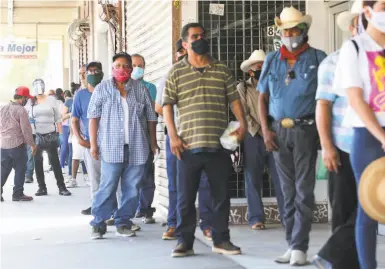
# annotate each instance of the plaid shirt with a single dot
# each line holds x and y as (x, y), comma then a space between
(342, 136)
(106, 104)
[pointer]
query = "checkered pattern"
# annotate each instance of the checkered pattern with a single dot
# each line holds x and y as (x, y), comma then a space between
(106, 104)
(342, 136)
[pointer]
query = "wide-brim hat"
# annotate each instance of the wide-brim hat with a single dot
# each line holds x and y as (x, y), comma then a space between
(371, 190)
(291, 17)
(256, 57)
(344, 19)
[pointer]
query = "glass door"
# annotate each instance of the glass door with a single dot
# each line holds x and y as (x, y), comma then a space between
(337, 37)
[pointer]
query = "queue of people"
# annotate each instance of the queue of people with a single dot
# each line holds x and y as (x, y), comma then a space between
(294, 101)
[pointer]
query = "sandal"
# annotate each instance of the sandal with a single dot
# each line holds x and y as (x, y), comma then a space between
(258, 226)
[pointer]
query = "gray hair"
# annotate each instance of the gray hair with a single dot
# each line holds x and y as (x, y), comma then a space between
(138, 55)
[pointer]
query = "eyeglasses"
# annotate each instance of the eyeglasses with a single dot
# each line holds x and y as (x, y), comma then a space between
(119, 66)
(91, 72)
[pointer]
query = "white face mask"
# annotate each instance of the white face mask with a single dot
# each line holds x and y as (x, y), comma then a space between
(377, 20)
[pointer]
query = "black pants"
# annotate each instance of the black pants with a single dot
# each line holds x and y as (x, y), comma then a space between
(218, 169)
(15, 158)
(53, 157)
(340, 249)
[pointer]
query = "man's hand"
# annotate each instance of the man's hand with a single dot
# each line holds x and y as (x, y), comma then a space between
(34, 150)
(95, 152)
(331, 159)
(269, 139)
(84, 143)
(178, 146)
(240, 133)
(155, 148)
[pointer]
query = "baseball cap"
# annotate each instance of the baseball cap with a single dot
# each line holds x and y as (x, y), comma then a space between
(23, 91)
(178, 45)
(96, 64)
(122, 55)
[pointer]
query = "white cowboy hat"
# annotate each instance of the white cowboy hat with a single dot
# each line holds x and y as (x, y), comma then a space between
(344, 19)
(372, 188)
(256, 57)
(290, 17)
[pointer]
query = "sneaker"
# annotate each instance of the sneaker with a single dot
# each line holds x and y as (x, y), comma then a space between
(207, 234)
(22, 198)
(86, 180)
(41, 192)
(124, 231)
(86, 212)
(321, 263)
(169, 234)
(181, 250)
(64, 192)
(298, 257)
(227, 248)
(72, 183)
(98, 232)
(148, 220)
(135, 228)
(28, 180)
(2, 199)
(110, 222)
(285, 258)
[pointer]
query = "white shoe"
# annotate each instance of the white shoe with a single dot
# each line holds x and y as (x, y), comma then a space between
(298, 257)
(86, 180)
(285, 258)
(72, 184)
(135, 228)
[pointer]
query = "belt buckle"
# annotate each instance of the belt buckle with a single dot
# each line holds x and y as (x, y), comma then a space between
(287, 123)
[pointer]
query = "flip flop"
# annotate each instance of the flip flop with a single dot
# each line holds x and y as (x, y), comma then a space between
(258, 226)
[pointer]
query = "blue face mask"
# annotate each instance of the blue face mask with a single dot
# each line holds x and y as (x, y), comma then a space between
(137, 73)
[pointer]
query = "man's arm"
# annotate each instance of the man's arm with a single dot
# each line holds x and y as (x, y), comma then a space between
(94, 113)
(168, 116)
(26, 128)
(159, 109)
(152, 120)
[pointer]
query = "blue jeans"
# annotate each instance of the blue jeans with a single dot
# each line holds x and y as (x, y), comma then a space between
(64, 147)
(147, 189)
(365, 149)
(30, 163)
(204, 198)
(255, 159)
(15, 158)
(105, 199)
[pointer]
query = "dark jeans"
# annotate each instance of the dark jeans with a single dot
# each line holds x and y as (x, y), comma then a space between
(340, 249)
(256, 158)
(218, 169)
(64, 147)
(15, 158)
(204, 197)
(147, 188)
(54, 160)
(295, 162)
(365, 149)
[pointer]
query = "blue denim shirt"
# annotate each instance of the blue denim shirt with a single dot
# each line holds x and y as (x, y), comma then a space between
(297, 99)
(106, 104)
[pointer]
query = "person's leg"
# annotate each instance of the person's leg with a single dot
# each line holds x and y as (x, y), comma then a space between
(147, 190)
(6, 166)
(205, 204)
(39, 170)
(75, 168)
(30, 166)
(54, 159)
(171, 174)
(365, 149)
(94, 172)
(84, 168)
(254, 160)
(19, 157)
(64, 146)
(70, 160)
(340, 248)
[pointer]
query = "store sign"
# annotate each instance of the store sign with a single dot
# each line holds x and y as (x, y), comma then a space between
(217, 9)
(18, 49)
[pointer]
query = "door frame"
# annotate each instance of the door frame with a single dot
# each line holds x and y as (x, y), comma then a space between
(335, 9)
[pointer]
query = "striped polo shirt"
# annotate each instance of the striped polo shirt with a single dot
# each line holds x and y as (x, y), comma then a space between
(202, 99)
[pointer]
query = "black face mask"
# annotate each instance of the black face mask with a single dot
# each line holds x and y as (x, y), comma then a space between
(257, 74)
(200, 46)
(25, 100)
(180, 58)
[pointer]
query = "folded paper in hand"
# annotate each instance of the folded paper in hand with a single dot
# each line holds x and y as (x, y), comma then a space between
(228, 141)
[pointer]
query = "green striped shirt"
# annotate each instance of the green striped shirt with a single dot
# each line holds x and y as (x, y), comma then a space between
(202, 100)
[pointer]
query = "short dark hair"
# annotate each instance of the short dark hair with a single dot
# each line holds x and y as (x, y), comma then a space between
(16, 97)
(138, 55)
(186, 28)
(370, 3)
(122, 55)
(67, 93)
(59, 91)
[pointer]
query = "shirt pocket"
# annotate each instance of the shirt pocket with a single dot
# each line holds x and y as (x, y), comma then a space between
(139, 109)
(274, 85)
(308, 80)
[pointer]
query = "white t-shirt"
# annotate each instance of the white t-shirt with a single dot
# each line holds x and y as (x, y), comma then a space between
(125, 119)
(364, 69)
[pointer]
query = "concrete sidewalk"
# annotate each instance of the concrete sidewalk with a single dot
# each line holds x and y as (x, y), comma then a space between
(50, 233)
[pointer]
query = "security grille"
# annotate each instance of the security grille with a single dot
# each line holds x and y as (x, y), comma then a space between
(238, 30)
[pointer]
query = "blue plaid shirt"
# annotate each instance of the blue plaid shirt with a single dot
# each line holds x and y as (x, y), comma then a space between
(106, 104)
(342, 136)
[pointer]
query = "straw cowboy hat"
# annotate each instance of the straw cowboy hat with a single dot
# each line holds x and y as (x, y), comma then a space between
(344, 19)
(256, 57)
(290, 17)
(371, 190)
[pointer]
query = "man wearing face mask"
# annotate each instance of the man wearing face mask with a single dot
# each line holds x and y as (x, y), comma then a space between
(202, 88)
(139, 65)
(122, 121)
(255, 154)
(15, 135)
(80, 125)
(287, 87)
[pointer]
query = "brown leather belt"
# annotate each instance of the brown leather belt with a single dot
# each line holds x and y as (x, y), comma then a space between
(288, 123)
